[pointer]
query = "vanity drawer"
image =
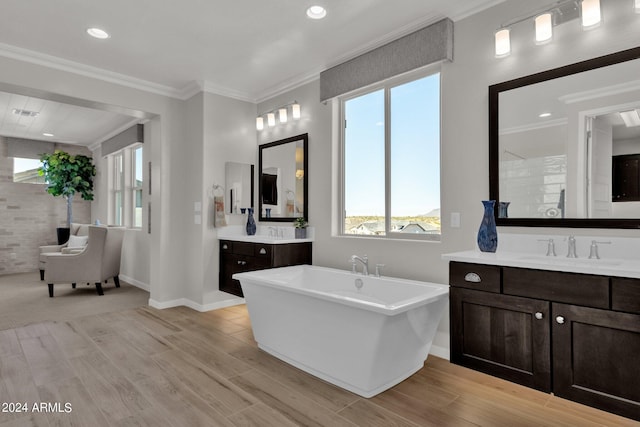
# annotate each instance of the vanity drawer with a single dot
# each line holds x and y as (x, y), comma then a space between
(475, 276)
(571, 288)
(243, 248)
(625, 295)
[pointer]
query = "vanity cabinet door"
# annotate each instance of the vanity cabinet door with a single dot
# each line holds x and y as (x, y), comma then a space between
(502, 335)
(595, 358)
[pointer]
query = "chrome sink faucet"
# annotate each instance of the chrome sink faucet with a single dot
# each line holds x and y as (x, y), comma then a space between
(365, 264)
(593, 253)
(571, 253)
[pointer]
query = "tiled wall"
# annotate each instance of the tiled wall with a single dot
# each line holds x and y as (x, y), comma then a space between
(29, 216)
(533, 185)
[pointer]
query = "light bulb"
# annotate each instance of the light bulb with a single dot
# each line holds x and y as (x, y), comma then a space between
(295, 109)
(590, 14)
(503, 43)
(544, 28)
(259, 123)
(282, 114)
(271, 119)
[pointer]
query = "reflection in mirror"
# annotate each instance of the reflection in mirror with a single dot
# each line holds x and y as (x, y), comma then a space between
(556, 138)
(283, 179)
(238, 187)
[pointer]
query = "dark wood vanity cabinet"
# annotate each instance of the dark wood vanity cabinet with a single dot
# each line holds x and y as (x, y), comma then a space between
(576, 335)
(238, 257)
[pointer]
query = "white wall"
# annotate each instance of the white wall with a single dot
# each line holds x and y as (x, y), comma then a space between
(465, 174)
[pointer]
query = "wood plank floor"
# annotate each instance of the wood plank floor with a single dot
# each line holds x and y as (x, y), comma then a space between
(178, 367)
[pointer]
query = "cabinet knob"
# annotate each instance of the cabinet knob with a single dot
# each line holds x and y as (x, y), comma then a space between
(539, 315)
(560, 320)
(472, 277)
(263, 251)
(242, 262)
(225, 247)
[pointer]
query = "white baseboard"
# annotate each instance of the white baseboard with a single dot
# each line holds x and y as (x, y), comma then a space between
(193, 305)
(438, 351)
(136, 283)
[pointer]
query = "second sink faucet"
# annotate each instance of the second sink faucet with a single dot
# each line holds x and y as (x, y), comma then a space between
(365, 264)
(571, 252)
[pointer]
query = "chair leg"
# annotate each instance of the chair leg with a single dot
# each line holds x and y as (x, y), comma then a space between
(41, 274)
(99, 288)
(50, 290)
(116, 280)
(73, 285)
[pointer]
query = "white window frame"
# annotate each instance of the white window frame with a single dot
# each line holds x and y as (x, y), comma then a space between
(127, 188)
(387, 85)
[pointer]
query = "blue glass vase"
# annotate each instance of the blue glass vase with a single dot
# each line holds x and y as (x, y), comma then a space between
(251, 223)
(488, 234)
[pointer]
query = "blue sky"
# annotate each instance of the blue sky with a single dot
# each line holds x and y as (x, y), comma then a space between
(415, 150)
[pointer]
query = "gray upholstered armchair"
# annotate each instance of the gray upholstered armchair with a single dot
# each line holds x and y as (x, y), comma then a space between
(99, 261)
(78, 230)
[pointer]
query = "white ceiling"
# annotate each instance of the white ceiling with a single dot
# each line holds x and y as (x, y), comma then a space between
(249, 49)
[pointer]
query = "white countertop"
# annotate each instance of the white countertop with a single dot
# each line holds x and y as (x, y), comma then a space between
(264, 234)
(620, 257)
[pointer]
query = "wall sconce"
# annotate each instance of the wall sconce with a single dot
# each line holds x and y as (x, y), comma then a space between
(549, 16)
(283, 115)
(636, 6)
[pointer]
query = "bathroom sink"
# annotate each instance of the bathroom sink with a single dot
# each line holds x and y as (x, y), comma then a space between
(569, 261)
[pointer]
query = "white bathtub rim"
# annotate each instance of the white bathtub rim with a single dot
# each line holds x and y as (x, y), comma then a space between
(333, 380)
(258, 278)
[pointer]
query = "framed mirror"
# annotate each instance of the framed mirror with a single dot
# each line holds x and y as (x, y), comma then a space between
(282, 179)
(238, 187)
(562, 146)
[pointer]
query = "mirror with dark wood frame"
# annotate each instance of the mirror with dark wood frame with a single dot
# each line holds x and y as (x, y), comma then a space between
(283, 168)
(560, 154)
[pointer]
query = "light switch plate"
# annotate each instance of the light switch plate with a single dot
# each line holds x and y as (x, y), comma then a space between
(455, 219)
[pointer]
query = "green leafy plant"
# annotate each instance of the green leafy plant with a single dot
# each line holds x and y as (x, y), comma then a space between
(300, 223)
(66, 175)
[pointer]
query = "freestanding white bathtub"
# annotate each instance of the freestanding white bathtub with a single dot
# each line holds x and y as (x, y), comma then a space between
(364, 340)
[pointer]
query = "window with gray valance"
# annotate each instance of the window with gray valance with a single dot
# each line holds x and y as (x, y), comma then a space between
(426, 46)
(28, 148)
(130, 136)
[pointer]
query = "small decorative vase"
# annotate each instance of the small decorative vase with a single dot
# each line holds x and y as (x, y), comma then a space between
(502, 209)
(268, 212)
(301, 233)
(487, 234)
(251, 223)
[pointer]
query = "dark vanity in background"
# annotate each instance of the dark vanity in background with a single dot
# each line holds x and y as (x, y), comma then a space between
(571, 327)
(282, 197)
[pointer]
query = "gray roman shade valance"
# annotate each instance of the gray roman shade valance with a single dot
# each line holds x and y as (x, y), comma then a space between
(423, 47)
(28, 148)
(133, 135)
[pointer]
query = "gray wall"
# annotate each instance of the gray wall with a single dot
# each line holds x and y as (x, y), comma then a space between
(29, 215)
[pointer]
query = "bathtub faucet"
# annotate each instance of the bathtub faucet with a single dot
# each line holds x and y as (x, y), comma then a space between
(365, 264)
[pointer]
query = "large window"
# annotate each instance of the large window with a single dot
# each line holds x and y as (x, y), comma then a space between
(391, 160)
(125, 187)
(26, 171)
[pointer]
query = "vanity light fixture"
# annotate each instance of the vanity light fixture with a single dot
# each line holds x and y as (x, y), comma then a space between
(316, 12)
(590, 14)
(503, 43)
(283, 115)
(544, 28)
(98, 33)
(547, 17)
(630, 118)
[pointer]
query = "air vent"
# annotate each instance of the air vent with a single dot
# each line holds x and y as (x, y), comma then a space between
(25, 113)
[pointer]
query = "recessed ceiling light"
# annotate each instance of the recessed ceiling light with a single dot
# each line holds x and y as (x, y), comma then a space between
(47, 134)
(543, 115)
(98, 33)
(316, 12)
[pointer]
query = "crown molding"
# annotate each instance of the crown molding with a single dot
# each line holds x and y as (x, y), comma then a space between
(54, 62)
(534, 126)
(601, 92)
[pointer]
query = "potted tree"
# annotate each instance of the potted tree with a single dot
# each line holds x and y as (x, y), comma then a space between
(66, 175)
(301, 225)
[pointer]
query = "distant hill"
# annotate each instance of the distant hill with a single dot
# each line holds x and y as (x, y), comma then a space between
(434, 212)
